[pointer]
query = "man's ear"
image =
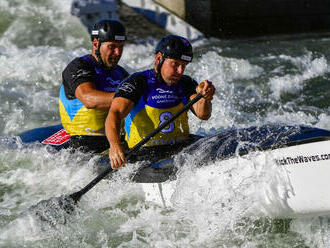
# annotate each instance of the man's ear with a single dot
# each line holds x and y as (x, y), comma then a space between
(95, 43)
(157, 60)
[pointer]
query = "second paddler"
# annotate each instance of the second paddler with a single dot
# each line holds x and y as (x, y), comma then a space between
(150, 97)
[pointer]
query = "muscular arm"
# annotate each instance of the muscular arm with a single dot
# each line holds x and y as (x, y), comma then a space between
(203, 108)
(79, 80)
(93, 98)
(119, 110)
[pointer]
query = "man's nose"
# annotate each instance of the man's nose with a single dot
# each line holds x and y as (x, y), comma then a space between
(180, 69)
(118, 51)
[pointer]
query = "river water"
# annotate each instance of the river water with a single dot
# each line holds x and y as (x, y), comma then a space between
(282, 79)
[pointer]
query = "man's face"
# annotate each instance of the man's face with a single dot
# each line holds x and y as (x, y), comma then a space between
(172, 70)
(111, 52)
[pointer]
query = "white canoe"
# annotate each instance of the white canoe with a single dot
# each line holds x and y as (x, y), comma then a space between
(306, 166)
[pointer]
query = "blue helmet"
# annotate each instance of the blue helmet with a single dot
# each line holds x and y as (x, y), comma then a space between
(175, 47)
(108, 30)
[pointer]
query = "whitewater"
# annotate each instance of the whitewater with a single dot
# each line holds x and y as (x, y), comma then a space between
(278, 79)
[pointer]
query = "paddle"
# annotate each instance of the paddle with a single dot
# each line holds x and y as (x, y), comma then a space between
(52, 209)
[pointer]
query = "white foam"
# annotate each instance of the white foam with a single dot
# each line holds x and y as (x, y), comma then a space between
(323, 121)
(214, 205)
(290, 118)
(308, 67)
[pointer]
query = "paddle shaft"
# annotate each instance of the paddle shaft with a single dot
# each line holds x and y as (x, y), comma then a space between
(76, 196)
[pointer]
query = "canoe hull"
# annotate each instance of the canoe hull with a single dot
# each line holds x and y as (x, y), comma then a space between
(300, 154)
(306, 167)
(53, 136)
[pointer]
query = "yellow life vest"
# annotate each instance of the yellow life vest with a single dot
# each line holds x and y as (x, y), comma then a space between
(78, 120)
(158, 103)
(149, 118)
(75, 117)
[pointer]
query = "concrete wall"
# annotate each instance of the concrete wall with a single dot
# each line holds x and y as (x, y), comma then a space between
(242, 18)
(164, 17)
(177, 7)
(199, 13)
(237, 18)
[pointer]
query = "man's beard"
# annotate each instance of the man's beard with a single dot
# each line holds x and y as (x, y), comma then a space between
(112, 62)
(174, 80)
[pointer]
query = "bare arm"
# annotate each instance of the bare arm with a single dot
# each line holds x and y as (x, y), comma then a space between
(93, 98)
(118, 111)
(203, 108)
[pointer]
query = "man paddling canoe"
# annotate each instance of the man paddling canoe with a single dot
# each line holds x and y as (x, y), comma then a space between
(148, 98)
(89, 83)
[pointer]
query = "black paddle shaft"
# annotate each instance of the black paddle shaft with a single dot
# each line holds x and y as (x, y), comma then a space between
(76, 196)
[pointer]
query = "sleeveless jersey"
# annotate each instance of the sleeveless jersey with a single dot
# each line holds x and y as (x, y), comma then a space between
(75, 117)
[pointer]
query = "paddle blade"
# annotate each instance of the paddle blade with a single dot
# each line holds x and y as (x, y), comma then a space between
(55, 210)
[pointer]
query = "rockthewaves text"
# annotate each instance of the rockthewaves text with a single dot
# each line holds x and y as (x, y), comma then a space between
(302, 159)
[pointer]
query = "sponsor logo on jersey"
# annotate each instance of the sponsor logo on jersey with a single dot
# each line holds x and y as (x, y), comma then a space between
(161, 91)
(127, 87)
(111, 81)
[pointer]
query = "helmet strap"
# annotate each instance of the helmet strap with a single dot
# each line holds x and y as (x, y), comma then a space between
(98, 54)
(159, 67)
